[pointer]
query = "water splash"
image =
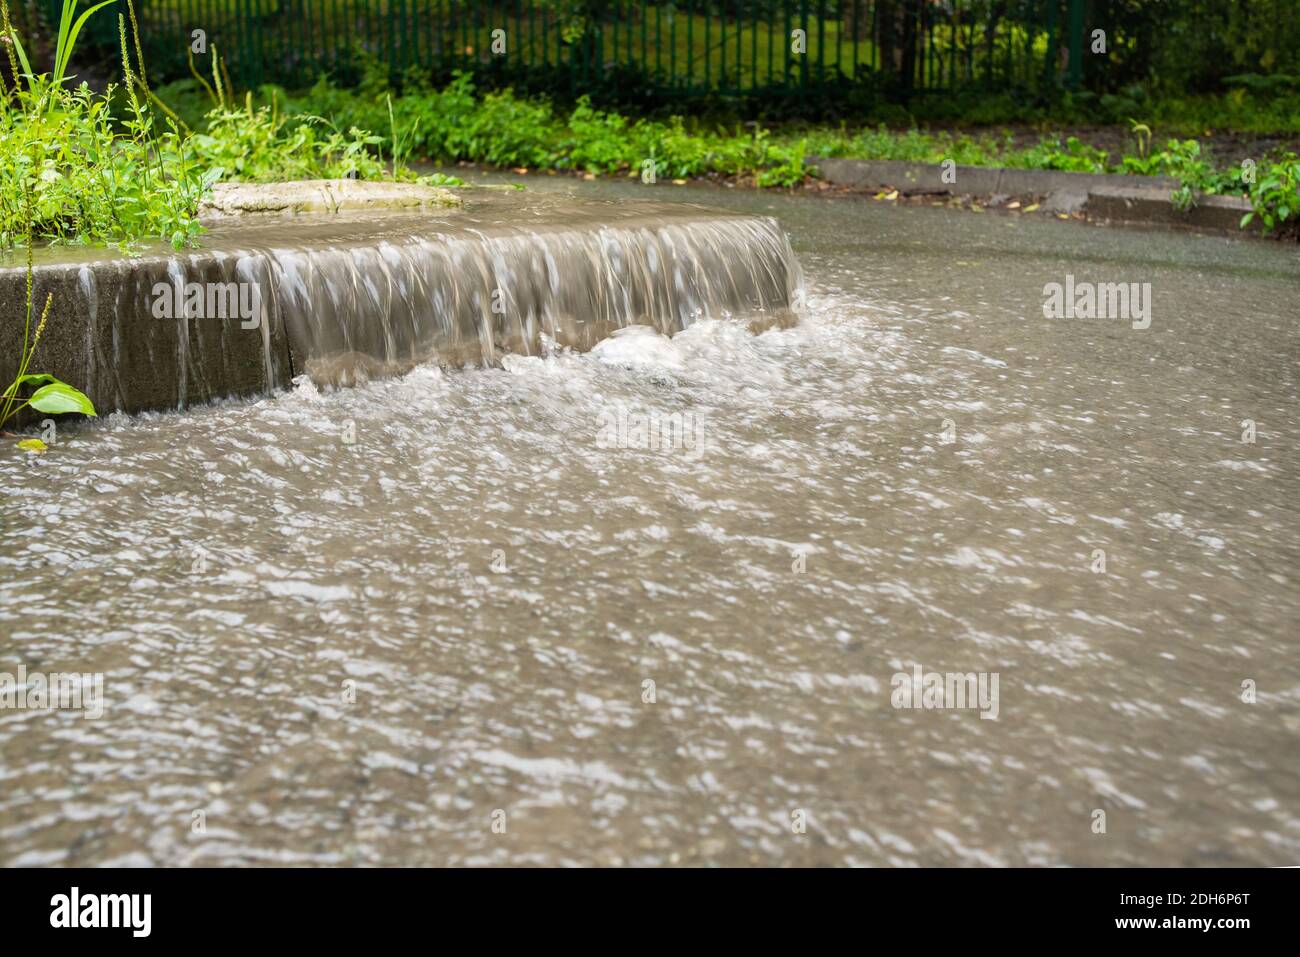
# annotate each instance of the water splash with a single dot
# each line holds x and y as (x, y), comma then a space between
(471, 292)
(352, 297)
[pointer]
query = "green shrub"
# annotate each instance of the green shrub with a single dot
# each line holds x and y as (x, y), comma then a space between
(1074, 156)
(599, 142)
(789, 169)
(1275, 194)
(262, 144)
(677, 152)
(506, 131)
(74, 170)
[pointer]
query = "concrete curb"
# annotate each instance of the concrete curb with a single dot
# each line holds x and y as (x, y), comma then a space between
(231, 200)
(342, 298)
(102, 336)
(974, 180)
(1101, 197)
(1153, 207)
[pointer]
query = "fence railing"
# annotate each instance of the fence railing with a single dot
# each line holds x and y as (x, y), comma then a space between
(730, 47)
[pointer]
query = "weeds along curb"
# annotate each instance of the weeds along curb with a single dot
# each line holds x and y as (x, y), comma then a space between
(1099, 197)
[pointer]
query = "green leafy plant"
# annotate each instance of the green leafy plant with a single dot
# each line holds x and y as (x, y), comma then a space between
(790, 170)
(459, 123)
(75, 171)
(274, 141)
(262, 144)
(1142, 137)
(599, 142)
(1074, 156)
(501, 129)
(1182, 160)
(49, 395)
(1275, 195)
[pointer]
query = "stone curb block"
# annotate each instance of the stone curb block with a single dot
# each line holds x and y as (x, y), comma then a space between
(102, 336)
(230, 200)
(974, 180)
(1114, 197)
(1148, 206)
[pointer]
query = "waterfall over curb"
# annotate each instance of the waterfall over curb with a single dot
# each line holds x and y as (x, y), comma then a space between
(358, 295)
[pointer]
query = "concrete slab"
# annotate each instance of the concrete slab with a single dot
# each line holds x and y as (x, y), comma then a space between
(1154, 207)
(1065, 201)
(319, 196)
(1106, 197)
(363, 293)
(972, 180)
(102, 334)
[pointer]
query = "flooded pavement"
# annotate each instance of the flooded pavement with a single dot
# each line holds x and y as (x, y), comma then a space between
(646, 605)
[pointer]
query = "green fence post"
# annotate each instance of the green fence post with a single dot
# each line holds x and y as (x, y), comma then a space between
(803, 60)
(722, 49)
(821, 40)
(785, 45)
(672, 46)
(690, 48)
(574, 52)
(771, 35)
(390, 29)
(1076, 43)
(1050, 10)
(709, 52)
(246, 45)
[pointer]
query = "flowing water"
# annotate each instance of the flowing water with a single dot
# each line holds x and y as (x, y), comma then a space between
(360, 295)
(382, 624)
(509, 274)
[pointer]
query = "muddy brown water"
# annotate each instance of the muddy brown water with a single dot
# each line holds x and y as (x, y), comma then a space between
(323, 651)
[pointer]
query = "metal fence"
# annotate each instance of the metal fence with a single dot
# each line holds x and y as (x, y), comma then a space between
(729, 47)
